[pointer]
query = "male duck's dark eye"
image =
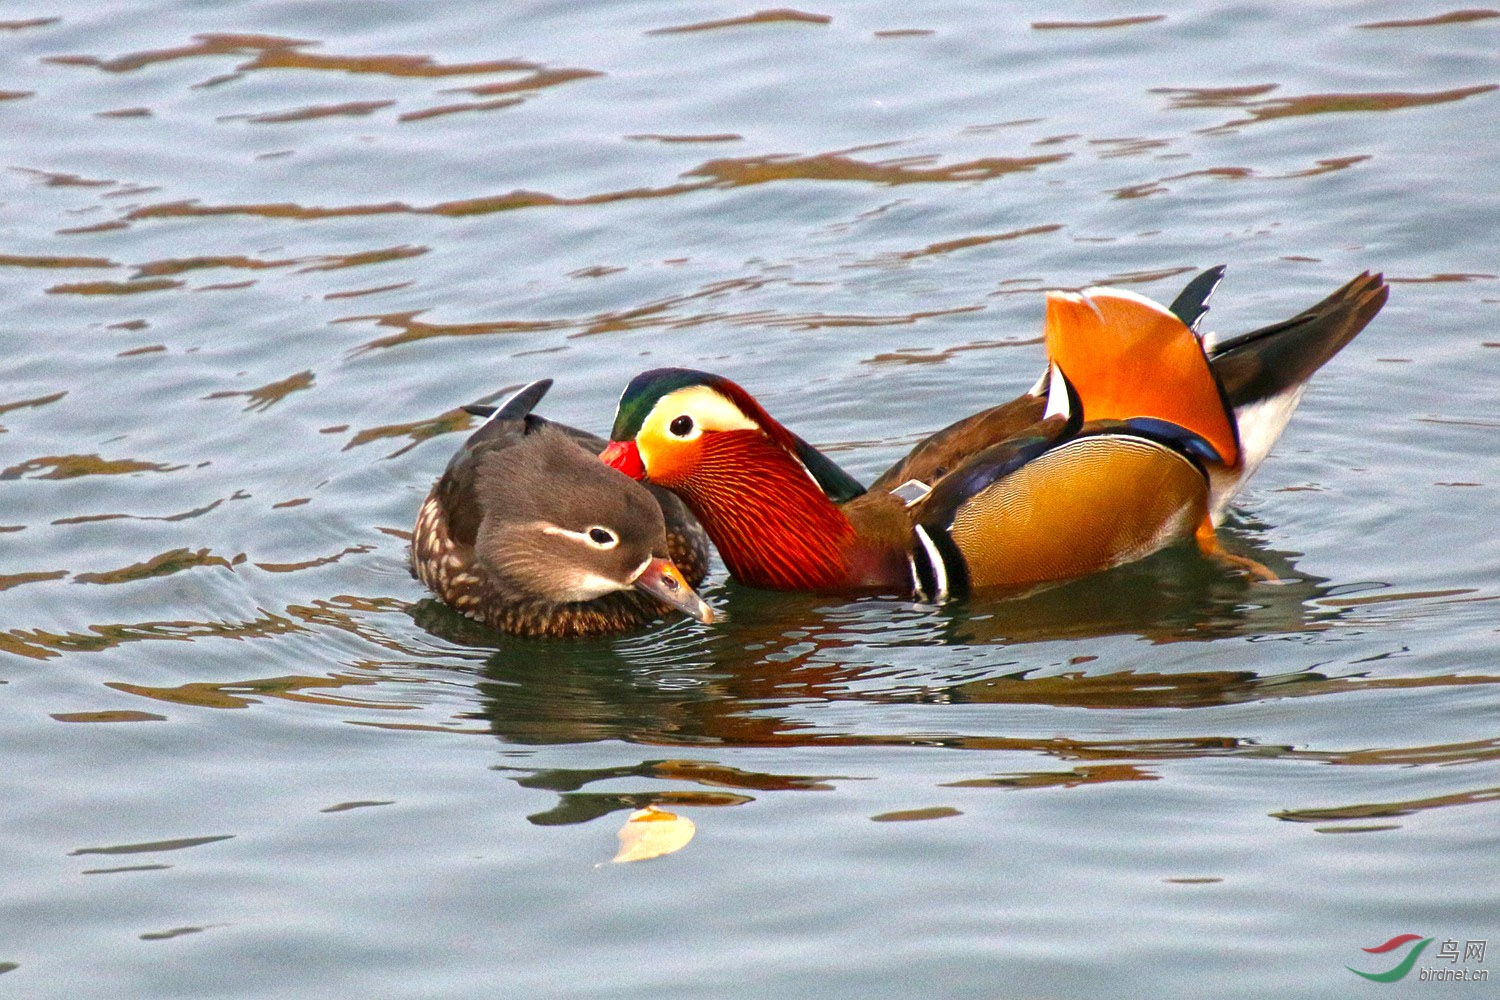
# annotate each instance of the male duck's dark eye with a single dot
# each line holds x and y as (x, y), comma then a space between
(681, 426)
(599, 536)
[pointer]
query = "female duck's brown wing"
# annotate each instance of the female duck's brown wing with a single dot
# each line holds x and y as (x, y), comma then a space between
(503, 428)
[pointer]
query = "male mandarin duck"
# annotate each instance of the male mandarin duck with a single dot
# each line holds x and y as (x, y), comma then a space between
(1136, 437)
(529, 533)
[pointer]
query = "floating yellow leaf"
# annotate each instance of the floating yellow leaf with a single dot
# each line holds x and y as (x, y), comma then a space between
(652, 832)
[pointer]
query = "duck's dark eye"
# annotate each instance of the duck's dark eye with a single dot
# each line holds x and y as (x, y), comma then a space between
(682, 426)
(599, 536)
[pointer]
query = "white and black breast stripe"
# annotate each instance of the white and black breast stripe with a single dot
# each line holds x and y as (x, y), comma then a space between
(938, 570)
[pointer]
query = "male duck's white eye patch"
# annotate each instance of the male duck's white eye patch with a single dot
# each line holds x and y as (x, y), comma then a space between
(686, 414)
(597, 537)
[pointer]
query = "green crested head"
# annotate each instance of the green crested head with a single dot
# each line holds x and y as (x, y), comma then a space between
(646, 390)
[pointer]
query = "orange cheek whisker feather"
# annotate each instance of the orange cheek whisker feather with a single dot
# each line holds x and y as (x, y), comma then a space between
(774, 526)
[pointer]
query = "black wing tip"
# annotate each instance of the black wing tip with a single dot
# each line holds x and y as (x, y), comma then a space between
(524, 400)
(519, 405)
(1192, 302)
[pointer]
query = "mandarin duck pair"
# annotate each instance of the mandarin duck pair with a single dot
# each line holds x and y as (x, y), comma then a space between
(1136, 437)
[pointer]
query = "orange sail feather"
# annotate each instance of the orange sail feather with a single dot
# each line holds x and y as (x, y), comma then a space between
(1129, 357)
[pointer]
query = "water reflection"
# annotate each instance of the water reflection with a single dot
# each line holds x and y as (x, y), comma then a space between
(744, 171)
(73, 466)
(579, 807)
(1104, 763)
(343, 613)
(243, 694)
(1083, 774)
(717, 174)
(1452, 17)
(665, 313)
(1348, 818)
(747, 684)
(164, 564)
(273, 52)
(782, 16)
(1260, 108)
(1115, 22)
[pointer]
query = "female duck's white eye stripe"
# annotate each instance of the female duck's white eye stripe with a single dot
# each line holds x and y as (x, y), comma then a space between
(586, 537)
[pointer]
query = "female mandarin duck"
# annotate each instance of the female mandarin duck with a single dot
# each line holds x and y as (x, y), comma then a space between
(1136, 437)
(529, 533)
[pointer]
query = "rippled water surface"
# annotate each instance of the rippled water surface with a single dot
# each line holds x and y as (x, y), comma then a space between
(254, 256)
